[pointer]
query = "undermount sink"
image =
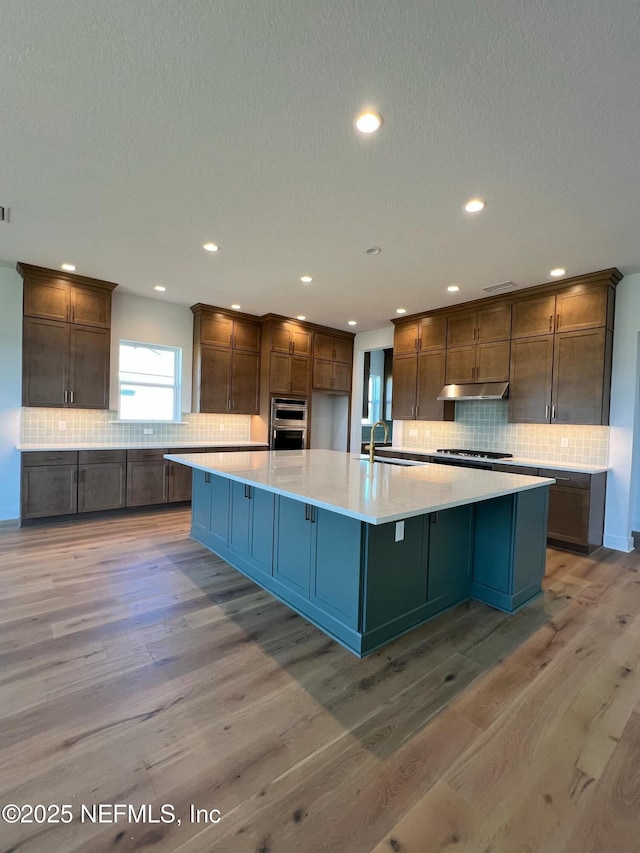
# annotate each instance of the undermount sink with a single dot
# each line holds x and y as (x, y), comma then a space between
(389, 461)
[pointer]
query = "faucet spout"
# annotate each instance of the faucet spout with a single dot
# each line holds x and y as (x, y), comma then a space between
(372, 441)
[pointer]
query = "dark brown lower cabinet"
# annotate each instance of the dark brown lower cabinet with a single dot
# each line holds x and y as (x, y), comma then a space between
(49, 484)
(576, 510)
(147, 477)
(102, 478)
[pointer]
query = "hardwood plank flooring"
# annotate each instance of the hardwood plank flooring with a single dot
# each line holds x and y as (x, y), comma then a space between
(138, 668)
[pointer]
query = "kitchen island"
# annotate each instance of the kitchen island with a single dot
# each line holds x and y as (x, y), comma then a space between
(369, 551)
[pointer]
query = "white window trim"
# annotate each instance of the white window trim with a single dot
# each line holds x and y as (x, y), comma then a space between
(176, 385)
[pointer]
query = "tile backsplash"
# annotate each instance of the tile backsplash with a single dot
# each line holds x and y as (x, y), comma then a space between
(483, 424)
(87, 426)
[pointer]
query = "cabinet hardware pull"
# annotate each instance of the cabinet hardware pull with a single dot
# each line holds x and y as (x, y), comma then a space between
(474, 334)
(416, 342)
(564, 479)
(546, 411)
(274, 435)
(553, 413)
(313, 515)
(73, 313)
(434, 518)
(417, 410)
(207, 477)
(550, 322)
(557, 322)
(412, 408)
(66, 395)
(71, 395)
(306, 512)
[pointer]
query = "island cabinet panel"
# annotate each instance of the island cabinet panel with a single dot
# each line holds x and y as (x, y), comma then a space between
(336, 568)
(201, 505)
(449, 558)
(251, 527)
(292, 553)
(220, 507)
(509, 548)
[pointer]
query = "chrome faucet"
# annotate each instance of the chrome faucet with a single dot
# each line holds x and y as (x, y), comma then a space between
(372, 440)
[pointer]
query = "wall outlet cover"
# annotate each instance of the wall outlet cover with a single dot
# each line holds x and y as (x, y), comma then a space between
(62, 425)
(564, 442)
(413, 433)
(221, 427)
(399, 531)
(148, 431)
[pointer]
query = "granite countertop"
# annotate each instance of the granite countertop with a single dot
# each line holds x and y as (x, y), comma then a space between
(147, 445)
(526, 462)
(346, 484)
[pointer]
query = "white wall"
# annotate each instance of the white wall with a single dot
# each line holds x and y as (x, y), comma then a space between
(151, 321)
(624, 437)
(364, 341)
(329, 421)
(10, 391)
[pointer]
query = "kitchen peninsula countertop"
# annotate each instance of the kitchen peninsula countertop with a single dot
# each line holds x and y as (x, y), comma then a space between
(345, 484)
(521, 461)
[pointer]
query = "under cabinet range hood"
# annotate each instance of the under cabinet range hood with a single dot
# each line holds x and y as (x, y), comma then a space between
(475, 391)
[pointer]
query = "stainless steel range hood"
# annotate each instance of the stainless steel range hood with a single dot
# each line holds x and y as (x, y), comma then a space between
(475, 391)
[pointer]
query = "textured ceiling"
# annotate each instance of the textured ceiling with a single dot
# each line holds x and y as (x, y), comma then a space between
(132, 131)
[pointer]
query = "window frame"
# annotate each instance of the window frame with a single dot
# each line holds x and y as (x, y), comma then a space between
(176, 385)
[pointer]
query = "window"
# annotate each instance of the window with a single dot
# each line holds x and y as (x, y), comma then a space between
(373, 407)
(149, 382)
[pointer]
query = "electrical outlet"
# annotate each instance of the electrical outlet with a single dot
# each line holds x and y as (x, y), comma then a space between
(399, 531)
(221, 427)
(148, 431)
(427, 433)
(62, 425)
(413, 433)
(564, 442)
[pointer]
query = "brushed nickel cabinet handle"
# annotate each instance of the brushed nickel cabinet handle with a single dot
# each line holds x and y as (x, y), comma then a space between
(553, 413)
(207, 477)
(417, 410)
(71, 394)
(546, 411)
(66, 394)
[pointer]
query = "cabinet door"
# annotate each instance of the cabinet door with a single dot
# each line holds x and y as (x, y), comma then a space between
(405, 372)
(300, 375)
(300, 341)
(201, 503)
(323, 346)
(215, 329)
(449, 555)
(581, 307)
(494, 324)
(280, 338)
(568, 515)
(147, 483)
(246, 335)
(220, 510)
(180, 482)
(49, 490)
(343, 350)
(245, 382)
(461, 330)
(279, 373)
(530, 385)
(215, 379)
(335, 575)
(89, 367)
(322, 373)
(292, 558)
(240, 519)
(45, 362)
(262, 519)
(48, 301)
(581, 377)
(431, 376)
(461, 365)
(101, 486)
(405, 338)
(341, 377)
(492, 362)
(432, 333)
(533, 317)
(90, 307)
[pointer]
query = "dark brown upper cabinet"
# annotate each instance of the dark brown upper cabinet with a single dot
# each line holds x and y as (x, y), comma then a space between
(417, 381)
(226, 361)
(492, 323)
(427, 333)
(332, 362)
(571, 309)
(289, 336)
(66, 339)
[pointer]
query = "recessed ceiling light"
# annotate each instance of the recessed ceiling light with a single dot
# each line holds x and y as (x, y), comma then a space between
(235, 306)
(557, 271)
(368, 121)
(401, 310)
(353, 322)
(210, 247)
(301, 317)
(453, 288)
(160, 287)
(69, 267)
(306, 279)
(475, 205)
(374, 250)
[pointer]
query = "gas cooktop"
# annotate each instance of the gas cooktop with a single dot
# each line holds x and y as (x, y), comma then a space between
(475, 454)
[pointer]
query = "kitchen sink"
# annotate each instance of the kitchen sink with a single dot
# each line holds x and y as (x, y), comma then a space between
(388, 461)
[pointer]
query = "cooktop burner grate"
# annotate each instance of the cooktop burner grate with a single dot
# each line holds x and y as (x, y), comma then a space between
(475, 454)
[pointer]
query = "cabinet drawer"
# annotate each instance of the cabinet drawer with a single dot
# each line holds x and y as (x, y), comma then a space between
(49, 457)
(101, 457)
(569, 479)
(516, 469)
(146, 455)
(181, 450)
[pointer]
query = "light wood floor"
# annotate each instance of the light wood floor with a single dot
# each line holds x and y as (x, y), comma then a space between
(137, 668)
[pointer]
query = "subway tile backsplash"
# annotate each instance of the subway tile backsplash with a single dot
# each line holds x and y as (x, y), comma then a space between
(87, 426)
(483, 424)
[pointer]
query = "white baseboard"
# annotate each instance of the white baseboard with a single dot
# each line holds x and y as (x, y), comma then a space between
(619, 543)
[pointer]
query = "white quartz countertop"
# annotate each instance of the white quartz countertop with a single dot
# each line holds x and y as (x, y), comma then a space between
(349, 485)
(525, 462)
(151, 445)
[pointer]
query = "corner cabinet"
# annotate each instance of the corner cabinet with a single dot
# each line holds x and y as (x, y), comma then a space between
(66, 339)
(226, 362)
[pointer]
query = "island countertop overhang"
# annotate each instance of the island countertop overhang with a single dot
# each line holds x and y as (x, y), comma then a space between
(346, 484)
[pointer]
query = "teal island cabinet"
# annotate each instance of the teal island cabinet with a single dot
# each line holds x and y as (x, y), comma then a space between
(367, 551)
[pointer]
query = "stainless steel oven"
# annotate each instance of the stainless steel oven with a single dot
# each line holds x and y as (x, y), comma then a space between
(289, 423)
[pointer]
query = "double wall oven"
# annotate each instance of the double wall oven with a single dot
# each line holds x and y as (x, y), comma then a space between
(289, 424)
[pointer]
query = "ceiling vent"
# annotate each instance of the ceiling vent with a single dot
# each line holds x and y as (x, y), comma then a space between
(501, 288)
